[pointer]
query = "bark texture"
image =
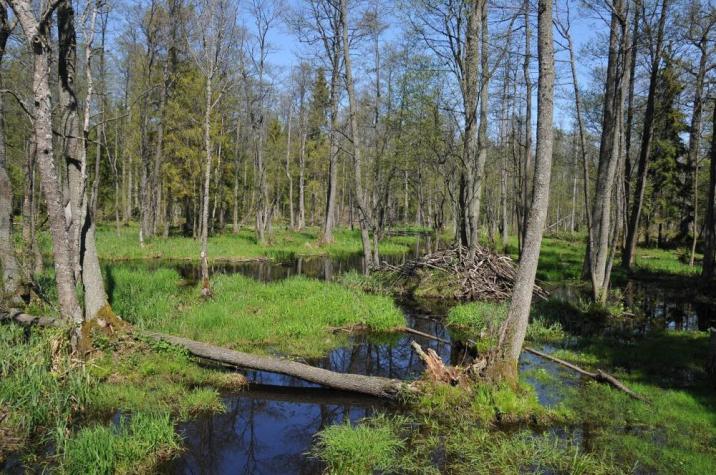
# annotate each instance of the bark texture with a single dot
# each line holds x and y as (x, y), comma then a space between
(512, 333)
(36, 31)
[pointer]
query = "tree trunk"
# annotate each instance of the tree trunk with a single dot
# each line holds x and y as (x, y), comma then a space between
(645, 151)
(512, 333)
(288, 170)
(694, 143)
(204, 255)
(526, 192)
(38, 36)
(8, 262)
(364, 213)
(709, 264)
(332, 190)
(602, 227)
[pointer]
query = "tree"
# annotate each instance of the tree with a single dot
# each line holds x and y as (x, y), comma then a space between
(10, 270)
(35, 26)
(216, 34)
(710, 224)
(604, 229)
(514, 329)
(646, 142)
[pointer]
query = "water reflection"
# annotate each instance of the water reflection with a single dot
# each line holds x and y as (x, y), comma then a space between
(655, 306)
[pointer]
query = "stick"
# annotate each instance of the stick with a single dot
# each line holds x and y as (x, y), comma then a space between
(600, 376)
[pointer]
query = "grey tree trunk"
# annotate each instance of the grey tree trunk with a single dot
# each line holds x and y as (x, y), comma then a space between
(332, 189)
(527, 161)
(37, 35)
(695, 139)
(514, 329)
(206, 291)
(288, 170)
(81, 204)
(645, 151)
(603, 228)
(364, 212)
(709, 264)
(11, 276)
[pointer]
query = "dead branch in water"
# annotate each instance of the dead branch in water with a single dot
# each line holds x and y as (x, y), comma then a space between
(599, 376)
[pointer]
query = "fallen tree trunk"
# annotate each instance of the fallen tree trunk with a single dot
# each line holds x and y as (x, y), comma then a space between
(599, 376)
(357, 383)
(28, 320)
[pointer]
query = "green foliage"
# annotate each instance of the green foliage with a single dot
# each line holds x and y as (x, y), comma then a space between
(135, 445)
(40, 389)
(45, 395)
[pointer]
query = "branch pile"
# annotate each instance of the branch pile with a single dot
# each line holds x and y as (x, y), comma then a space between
(486, 276)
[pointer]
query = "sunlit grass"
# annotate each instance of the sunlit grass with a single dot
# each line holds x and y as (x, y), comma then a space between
(296, 316)
(284, 244)
(134, 446)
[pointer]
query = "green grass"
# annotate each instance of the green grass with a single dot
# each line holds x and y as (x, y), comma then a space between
(47, 396)
(562, 257)
(136, 445)
(364, 449)
(285, 244)
(296, 316)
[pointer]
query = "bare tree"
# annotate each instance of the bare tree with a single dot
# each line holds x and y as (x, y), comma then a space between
(514, 329)
(710, 224)
(215, 36)
(604, 227)
(702, 25)
(356, 140)
(646, 141)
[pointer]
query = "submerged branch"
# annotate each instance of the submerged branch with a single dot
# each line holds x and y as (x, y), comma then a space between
(599, 376)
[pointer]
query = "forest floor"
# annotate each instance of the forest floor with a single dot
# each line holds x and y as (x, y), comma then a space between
(118, 410)
(284, 244)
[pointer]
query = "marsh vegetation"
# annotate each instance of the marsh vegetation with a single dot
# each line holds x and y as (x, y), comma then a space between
(331, 236)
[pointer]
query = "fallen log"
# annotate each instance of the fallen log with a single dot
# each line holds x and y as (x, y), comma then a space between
(599, 376)
(28, 320)
(357, 383)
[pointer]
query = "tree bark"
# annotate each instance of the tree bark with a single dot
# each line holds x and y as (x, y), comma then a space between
(332, 189)
(512, 333)
(602, 228)
(709, 264)
(11, 276)
(38, 37)
(204, 255)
